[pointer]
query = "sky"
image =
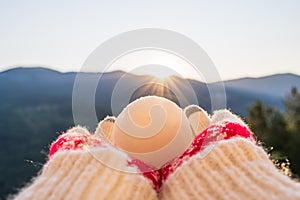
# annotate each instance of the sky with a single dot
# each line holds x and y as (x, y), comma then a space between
(243, 38)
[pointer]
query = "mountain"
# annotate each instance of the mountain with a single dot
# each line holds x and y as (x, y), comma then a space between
(271, 90)
(275, 85)
(36, 105)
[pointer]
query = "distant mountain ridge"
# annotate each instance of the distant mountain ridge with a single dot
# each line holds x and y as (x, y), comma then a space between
(241, 93)
(276, 85)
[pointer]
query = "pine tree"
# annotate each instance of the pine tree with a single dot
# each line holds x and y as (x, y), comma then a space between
(292, 107)
(281, 131)
(257, 119)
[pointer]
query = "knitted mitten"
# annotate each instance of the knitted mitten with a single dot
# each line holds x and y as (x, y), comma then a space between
(105, 129)
(81, 166)
(224, 162)
(198, 118)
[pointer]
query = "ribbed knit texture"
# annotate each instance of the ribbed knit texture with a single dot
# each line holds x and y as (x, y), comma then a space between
(77, 174)
(234, 169)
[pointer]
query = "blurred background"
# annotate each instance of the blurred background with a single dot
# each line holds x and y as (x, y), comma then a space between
(254, 45)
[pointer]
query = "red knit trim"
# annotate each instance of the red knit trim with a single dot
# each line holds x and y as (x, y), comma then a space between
(72, 141)
(211, 134)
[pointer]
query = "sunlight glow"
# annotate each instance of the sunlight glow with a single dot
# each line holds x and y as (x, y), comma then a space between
(159, 87)
(156, 63)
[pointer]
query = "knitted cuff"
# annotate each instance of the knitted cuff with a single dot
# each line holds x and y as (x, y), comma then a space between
(78, 169)
(234, 169)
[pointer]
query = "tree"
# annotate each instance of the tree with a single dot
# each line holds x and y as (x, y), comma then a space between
(268, 124)
(257, 119)
(281, 131)
(278, 135)
(292, 110)
(292, 114)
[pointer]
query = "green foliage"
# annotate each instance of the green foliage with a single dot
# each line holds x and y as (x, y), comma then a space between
(25, 133)
(292, 105)
(281, 131)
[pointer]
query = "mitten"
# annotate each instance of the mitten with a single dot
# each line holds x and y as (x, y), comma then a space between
(224, 162)
(81, 166)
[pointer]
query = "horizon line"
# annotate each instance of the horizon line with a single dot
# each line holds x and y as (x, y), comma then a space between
(124, 71)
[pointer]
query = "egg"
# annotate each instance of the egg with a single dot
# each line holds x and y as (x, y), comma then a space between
(152, 129)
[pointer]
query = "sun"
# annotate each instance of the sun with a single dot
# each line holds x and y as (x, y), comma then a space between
(157, 71)
(159, 64)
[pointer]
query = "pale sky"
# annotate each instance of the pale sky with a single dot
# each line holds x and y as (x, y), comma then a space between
(243, 38)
